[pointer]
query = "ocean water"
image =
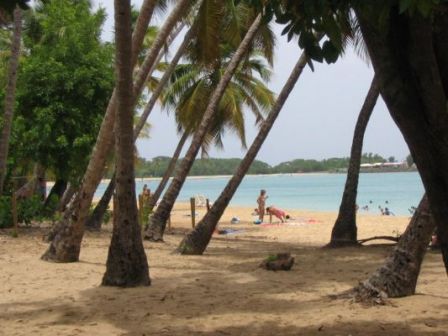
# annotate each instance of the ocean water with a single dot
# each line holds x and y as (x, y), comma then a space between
(320, 192)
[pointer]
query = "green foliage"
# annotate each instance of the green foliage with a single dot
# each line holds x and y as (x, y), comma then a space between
(107, 216)
(27, 210)
(212, 166)
(308, 20)
(63, 88)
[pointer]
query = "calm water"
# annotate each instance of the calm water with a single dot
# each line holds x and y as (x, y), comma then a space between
(320, 192)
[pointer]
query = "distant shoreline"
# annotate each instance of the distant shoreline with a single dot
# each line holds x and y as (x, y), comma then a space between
(204, 177)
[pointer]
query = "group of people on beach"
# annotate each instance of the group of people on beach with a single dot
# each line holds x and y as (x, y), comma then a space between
(384, 211)
(270, 210)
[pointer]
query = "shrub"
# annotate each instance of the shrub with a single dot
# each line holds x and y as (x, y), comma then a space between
(27, 210)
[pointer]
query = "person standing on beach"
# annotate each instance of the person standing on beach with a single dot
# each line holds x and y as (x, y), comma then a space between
(261, 200)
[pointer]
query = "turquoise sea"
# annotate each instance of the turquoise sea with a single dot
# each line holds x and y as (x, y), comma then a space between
(321, 192)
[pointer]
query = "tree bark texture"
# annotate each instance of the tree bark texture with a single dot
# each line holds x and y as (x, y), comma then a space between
(95, 220)
(163, 81)
(67, 197)
(10, 95)
(56, 193)
(66, 243)
(196, 241)
(126, 264)
(344, 230)
(169, 171)
(398, 276)
(158, 219)
(406, 54)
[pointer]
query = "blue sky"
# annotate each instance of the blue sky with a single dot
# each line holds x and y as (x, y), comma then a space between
(316, 122)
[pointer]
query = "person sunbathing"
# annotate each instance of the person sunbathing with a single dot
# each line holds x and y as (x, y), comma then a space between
(279, 213)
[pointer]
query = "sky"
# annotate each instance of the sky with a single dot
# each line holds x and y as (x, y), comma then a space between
(316, 122)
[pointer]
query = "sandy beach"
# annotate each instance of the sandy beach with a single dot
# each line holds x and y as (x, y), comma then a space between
(223, 292)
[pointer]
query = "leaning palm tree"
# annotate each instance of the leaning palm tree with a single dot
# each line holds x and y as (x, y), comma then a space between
(397, 277)
(10, 94)
(344, 230)
(191, 84)
(156, 86)
(196, 241)
(67, 236)
(159, 218)
(126, 264)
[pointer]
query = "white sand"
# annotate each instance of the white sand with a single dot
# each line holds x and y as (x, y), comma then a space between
(222, 292)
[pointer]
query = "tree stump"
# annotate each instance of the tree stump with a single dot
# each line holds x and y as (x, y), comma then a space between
(278, 262)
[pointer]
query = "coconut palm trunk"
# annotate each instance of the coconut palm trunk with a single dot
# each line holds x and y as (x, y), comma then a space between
(67, 234)
(158, 220)
(196, 241)
(10, 94)
(344, 231)
(163, 81)
(398, 276)
(67, 197)
(95, 219)
(56, 193)
(126, 264)
(168, 172)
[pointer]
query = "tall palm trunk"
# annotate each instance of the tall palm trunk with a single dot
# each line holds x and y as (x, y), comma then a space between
(158, 219)
(414, 86)
(166, 176)
(126, 264)
(67, 197)
(95, 219)
(66, 243)
(344, 230)
(398, 276)
(56, 193)
(163, 81)
(10, 95)
(196, 241)
(163, 52)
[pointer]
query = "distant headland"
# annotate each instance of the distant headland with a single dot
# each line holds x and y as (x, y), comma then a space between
(370, 163)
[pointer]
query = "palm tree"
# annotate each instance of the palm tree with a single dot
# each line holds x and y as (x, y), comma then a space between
(95, 219)
(168, 172)
(196, 241)
(158, 220)
(10, 94)
(126, 265)
(67, 234)
(192, 84)
(344, 230)
(398, 276)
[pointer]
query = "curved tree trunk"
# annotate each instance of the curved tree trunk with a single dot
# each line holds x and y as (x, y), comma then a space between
(67, 197)
(66, 243)
(408, 55)
(166, 176)
(10, 94)
(398, 276)
(56, 193)
(95, 220)
(344, 230)
(196, 241)
(126, 264)
(163, 81)
(158, 219)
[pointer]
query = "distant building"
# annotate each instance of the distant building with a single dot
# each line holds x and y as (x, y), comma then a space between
(380, 165)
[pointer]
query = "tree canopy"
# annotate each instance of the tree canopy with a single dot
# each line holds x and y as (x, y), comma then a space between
(64, 86)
